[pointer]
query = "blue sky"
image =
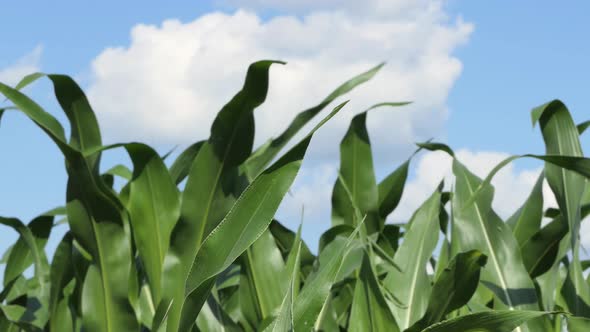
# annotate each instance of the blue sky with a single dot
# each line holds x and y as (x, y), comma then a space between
(497, 59)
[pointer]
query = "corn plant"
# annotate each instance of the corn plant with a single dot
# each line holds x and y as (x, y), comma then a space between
(193, 245)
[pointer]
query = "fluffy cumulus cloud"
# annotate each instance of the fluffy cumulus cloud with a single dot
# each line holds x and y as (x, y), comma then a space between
(169, 82)
(27, 64)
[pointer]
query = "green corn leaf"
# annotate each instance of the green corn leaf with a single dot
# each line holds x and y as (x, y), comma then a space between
(562, 138)
(391, 189)
(332, 233)
(61, 318)
(293, 264)
(94, 213)
(578, 324)
(154, 208)
(583, 126)
(540, 251)
(443, 258)
(370, 311)
(286, 241)
(314, 294)
(432, 146)
(356, 169)
(284, 319)
(488, 321)
(208, 195)
(411, 285)
(145, 306)
(121, 171)
(14, 315)
(21, 256)
(181, 166)
(213, 318)
(526, 221)
(262, 279)
(28, 80)
(37, 295)
(248, 218)
(453, 288)
(268, 151)
(392, 233)
(477, 227)
(62, 272)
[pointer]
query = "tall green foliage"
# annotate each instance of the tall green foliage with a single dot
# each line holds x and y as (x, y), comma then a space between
(153, 255)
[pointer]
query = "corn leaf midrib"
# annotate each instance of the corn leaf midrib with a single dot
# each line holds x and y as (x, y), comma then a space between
(491, 249)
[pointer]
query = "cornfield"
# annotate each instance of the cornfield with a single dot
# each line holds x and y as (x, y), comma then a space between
(192, 244)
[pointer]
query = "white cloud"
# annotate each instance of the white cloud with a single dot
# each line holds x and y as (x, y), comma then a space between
(372, 8)
(27, 64)
(169, 82)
